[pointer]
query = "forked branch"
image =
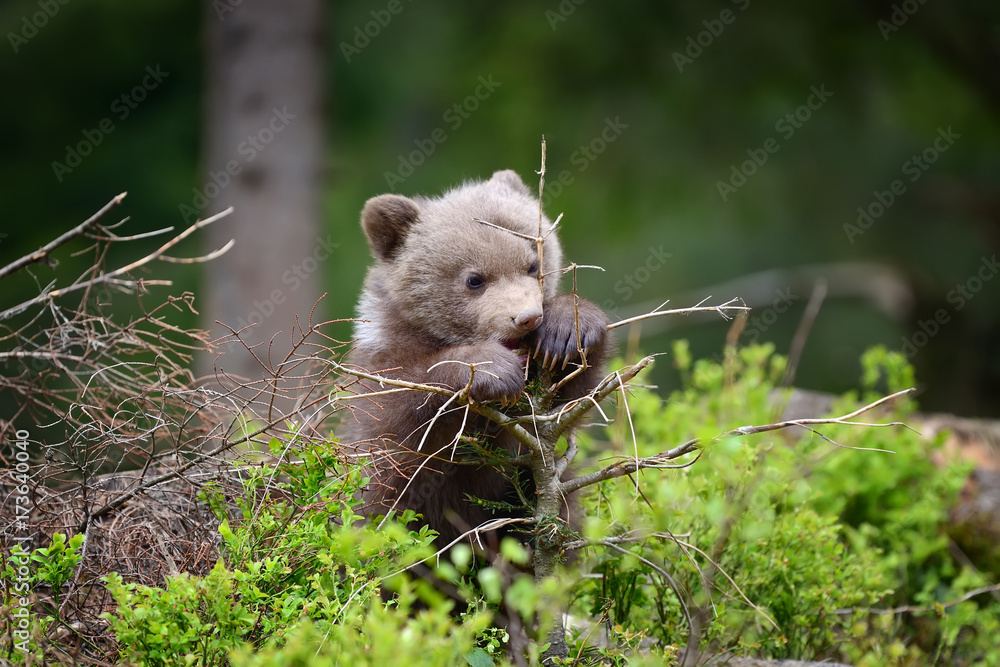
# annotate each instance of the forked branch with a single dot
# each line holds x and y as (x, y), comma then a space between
(727, 310)
(661, 460)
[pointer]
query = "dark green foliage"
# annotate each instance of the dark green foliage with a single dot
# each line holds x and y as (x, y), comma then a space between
(654, 186)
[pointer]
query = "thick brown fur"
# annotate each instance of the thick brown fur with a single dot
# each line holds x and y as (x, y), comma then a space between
(447, 291)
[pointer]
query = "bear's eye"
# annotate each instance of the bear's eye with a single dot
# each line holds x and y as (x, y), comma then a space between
(475, 281)
(533, 269)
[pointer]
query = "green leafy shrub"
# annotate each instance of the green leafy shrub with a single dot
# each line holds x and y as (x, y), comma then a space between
(812, 529)
(191, 621)
(56, 563)
(53, 566)
(299, 576)
(788, 544)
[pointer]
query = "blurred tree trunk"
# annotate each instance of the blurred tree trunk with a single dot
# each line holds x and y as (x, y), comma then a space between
(263, 154)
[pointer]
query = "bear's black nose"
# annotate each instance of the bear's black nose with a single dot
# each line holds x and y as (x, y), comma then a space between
(528, 319)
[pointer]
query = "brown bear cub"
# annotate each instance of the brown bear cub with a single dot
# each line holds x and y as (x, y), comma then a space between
(448, 291)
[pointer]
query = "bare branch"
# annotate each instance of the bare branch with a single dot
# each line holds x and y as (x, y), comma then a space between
(803, 330)
(519, 235)
(43, 252)
(156, 254)
(610, 384)
(909, 609)
(726, 310)
(750, 430)
(659, 460)
(112, 277)
(539, 242)
(629, 466)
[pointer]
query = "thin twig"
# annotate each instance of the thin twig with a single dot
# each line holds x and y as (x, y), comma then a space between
(725, 574)
(43, 252)
(540, 241)
(630, 466)
(724, 309)
(608, 386)
(908, 609)
(663, 573)
(658, 460)
(112, 276)
(750, 430)
(803, 330)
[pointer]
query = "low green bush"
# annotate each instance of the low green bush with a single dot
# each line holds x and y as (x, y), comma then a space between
(298, 577)
(815, 528)
(822, 543)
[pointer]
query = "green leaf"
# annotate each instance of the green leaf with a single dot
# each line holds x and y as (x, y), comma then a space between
(478, 657)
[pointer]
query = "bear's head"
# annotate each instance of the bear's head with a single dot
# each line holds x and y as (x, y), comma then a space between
(461, 268)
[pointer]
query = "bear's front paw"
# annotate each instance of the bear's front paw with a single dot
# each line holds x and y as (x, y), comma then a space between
(557, 343)
(502, 379)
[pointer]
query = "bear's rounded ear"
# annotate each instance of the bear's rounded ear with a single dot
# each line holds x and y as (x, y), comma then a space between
(386, 219)
(509, 178)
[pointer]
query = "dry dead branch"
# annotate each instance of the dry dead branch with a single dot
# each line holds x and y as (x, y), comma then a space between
(121, 437)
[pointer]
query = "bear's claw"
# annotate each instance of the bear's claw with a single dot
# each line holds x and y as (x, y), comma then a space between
(502, 380)
(557, 339)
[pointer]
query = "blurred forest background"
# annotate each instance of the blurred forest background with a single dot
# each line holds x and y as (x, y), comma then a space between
(703, 149)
